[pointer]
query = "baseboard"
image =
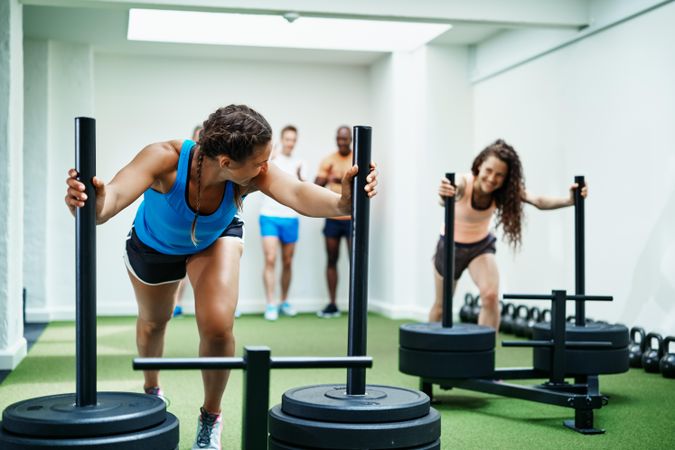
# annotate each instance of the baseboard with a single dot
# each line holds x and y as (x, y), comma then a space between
(50, 314)
(397, 312)
(12, 356)
(38, 315)
(124, 307)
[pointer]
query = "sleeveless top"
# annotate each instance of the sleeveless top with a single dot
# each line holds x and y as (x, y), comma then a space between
(471, 225)
(164, 221)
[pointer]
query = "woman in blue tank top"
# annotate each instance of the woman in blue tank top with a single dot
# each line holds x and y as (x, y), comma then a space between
(187, 224)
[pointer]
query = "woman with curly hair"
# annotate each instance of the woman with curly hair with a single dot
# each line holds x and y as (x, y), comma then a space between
(495, 186)
(187, 223)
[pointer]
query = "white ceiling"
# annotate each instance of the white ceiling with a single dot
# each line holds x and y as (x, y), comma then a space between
(103, 24)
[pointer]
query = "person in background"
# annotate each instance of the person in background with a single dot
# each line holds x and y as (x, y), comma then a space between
(495, 187)
(331, 170)
(279, 226)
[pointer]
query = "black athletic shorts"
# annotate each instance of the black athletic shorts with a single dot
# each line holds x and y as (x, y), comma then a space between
(337, 228)
(464, 253)
(152, 267)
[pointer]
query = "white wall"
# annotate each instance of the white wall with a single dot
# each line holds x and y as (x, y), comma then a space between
(512, 47)
(423, 122)
(142, 99)
(59, 87)
(603, 107)
(36, 167)
(12, 343)
(449, 127)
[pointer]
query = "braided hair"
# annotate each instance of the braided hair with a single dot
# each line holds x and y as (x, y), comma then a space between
(235, 131)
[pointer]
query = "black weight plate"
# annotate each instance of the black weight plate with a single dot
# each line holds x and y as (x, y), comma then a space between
(585, 362)
(446, 364)
(163, 436)
(462, 337)
(273, 444)
(57, 415)
(300, 432)
(616, 334)
(331, 403)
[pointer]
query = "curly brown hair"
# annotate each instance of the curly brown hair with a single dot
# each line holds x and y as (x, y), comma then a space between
(235, 131)
(508, 197)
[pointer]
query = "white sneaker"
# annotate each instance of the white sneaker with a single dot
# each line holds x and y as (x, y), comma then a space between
(287, 310)
(271, 312)
(209, 427)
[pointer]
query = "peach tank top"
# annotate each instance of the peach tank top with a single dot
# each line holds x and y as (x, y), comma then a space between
(471, 225)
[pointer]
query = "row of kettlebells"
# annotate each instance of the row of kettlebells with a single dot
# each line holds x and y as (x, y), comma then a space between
(515, 319)
(651, 352)
(520, 319)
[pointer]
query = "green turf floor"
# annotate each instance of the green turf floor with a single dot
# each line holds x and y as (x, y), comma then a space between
(640, 414)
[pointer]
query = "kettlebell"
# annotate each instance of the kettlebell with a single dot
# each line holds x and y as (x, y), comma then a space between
(521, 317)
(667, 363)
(475, 309)
(546, 315)
(652, 355)
(506, 321)
(534, 317)
(636, 347)
(465, 310)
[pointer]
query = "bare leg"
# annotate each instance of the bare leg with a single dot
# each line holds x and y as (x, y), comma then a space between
(333, 251)
(214, 274)
(436, 312)
(270, 244)
(485, 274)
(155, 308)
(287, 251)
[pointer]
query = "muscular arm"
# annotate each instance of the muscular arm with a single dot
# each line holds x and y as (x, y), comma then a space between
(306, 198)
(144, 171)
(309, 199)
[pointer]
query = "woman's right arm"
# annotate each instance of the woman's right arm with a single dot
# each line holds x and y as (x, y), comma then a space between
(143, 172)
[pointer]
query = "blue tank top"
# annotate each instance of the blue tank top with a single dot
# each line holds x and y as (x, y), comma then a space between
(164, 221)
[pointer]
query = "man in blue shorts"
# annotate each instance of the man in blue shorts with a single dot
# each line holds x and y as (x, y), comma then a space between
(279, 227)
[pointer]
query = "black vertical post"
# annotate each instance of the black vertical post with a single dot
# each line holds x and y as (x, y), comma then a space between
(449, 263)
(256, 395)
(358, 270)
(85, 264)
(558, 328)
(579, 252)
(23, 299)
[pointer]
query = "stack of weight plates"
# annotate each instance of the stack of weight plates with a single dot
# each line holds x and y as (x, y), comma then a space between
(586, 361)
(429, 350)
(326, 417)
(118, 421)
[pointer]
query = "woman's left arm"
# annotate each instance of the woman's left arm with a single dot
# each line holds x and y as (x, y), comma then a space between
(310, 199)
(545, 202)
